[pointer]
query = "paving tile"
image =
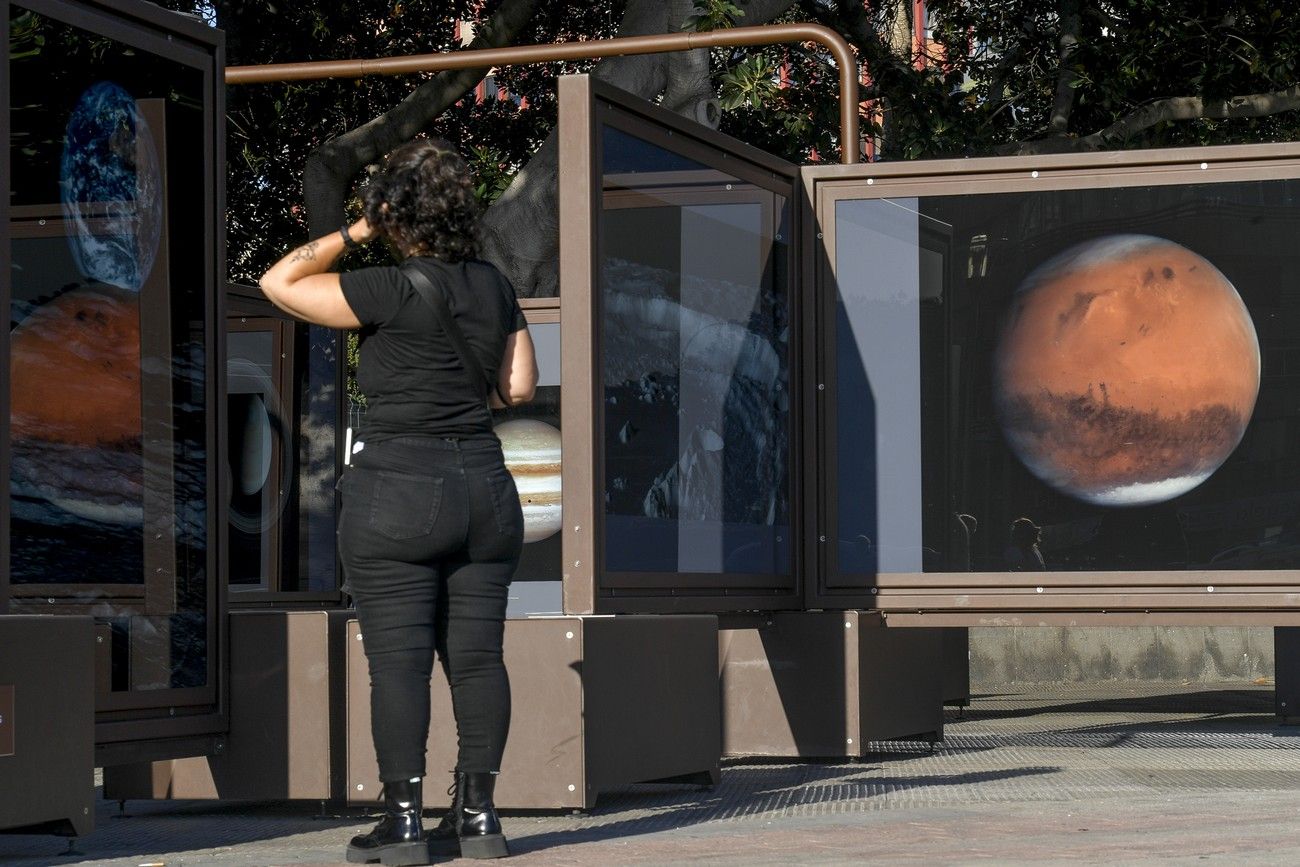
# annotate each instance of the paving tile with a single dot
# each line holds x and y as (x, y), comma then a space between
(1103, 772)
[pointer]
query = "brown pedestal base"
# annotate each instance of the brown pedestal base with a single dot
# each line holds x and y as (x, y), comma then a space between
(47, 725)
(1286, 665)
(825, 683)
(956, 665)
(286, 737)
(599, 703)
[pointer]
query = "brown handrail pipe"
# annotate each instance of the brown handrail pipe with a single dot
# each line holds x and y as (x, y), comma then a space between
(773, 34)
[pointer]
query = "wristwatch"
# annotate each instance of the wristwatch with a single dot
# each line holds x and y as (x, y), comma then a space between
(348, 243)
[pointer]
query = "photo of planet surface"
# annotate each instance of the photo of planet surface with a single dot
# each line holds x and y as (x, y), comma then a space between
(77, 446)
(532, 452)
(1126, 371)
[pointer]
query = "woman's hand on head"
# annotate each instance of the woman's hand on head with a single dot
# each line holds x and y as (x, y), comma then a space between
(362, 232)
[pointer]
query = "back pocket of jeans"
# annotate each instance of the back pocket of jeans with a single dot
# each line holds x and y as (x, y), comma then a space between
(505, 500)
(404, 506)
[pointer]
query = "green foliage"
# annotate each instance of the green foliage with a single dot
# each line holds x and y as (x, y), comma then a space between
(353, 358)
(713, 15)
(991, 84)
(749, 84)
(272, 129)
(1130, 53)
(492, 170)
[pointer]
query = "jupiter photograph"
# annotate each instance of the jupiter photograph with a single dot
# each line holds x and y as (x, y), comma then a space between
(1126, 371)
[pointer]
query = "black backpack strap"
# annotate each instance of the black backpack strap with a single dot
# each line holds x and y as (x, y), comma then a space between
(434, 296)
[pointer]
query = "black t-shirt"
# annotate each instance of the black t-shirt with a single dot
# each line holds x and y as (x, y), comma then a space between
(409, 371)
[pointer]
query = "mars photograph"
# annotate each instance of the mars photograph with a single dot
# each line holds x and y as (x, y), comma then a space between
(1127, 371)
(1113, 367)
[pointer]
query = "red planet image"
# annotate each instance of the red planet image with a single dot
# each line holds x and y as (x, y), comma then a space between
(1126, 371)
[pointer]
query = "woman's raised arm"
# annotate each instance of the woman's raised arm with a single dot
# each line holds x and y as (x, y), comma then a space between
(301, 285)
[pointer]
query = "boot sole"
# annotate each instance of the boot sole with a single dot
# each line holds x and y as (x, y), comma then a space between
(393, 855)
(444, 847)
(488, 846)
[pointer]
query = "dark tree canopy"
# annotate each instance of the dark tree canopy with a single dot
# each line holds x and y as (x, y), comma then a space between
(1010, 76)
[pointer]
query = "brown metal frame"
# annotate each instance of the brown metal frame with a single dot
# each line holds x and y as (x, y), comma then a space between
(586, 106)
(247, 302)
(281, 331)
(589, 49)
(126, 720)
(1203, 597)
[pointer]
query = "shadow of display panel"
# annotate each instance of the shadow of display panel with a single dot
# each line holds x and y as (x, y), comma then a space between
(111, 476)
(693, 343)
(1080, 395)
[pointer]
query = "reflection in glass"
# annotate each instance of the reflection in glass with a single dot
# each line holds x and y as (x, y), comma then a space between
(695, 354)
(317, 353)
(257, 442)
(109, 473)
(1087, 389)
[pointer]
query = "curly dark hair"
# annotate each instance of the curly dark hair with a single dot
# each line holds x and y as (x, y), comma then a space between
(429, 194)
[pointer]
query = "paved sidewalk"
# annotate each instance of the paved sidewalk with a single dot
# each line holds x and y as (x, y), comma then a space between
(1116, 773)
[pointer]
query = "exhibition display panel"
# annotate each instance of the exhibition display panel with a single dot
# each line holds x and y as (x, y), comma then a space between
(113, 376)
(1072, 377)
(681, 340)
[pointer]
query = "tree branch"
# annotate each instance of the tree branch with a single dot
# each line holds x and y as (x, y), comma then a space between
(520, 233)
(1067, 45)
(331, 168)
(1192, 108)
(1178, 108)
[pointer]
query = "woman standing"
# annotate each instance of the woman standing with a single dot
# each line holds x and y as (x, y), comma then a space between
(431, 527)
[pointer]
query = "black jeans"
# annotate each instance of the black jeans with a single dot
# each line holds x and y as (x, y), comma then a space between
(429, 538)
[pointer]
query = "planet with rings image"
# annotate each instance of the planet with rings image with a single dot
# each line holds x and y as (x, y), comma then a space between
(532, 452)
(1126, 371)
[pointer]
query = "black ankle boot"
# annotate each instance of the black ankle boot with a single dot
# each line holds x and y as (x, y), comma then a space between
(471, 828)
(445, 838)
(398, 839)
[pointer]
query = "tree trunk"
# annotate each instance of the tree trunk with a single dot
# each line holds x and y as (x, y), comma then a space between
(520, 231)
(331, 168)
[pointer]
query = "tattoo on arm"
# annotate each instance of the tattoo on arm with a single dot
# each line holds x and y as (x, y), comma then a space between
(307, 252)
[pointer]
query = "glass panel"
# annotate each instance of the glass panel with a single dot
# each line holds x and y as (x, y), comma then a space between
(696, 366)
(878, 413)
(312, 565)
(530, 440)
(107, 367)
(258, 441)
(1106, 377)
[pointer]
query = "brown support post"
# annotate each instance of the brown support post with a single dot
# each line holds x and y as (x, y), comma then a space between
(518, 55)
(578, 194)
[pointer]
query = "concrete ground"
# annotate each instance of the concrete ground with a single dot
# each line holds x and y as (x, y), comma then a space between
(1115, 773)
